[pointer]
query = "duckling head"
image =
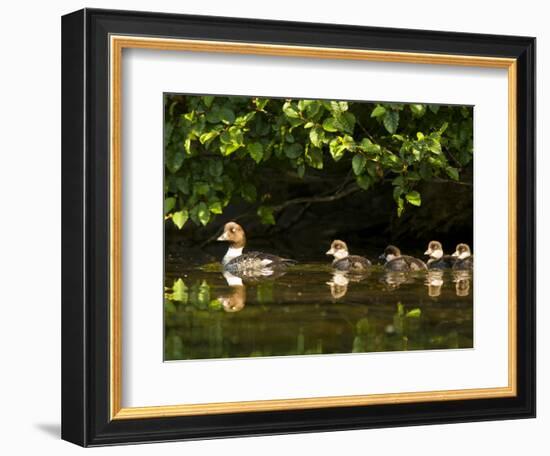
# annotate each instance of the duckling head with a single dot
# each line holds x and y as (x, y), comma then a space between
(390, 252)
(435, 250)
(234, 234)
(462, 251)
(338, 249)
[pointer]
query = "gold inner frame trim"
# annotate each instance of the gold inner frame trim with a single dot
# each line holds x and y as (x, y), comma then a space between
(117, 44)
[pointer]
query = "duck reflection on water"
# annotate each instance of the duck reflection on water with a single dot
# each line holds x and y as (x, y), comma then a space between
(340, 280)
(392, 280)
(462, 282)
(236, 300)
(434, 282)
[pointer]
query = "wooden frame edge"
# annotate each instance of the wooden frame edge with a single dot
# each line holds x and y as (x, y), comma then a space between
(120, 42)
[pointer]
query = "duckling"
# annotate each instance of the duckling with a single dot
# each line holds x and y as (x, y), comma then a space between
(250, 263)
(438, 260)
(402, 263)
(464, 260)
(343, 261)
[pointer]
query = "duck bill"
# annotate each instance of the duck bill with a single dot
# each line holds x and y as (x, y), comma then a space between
(382, 257)
(428, 252)
(223, 237)
(456, 254)
(329, 252)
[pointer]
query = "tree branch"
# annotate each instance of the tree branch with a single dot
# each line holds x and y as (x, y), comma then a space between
(449, 181)
(317, 199)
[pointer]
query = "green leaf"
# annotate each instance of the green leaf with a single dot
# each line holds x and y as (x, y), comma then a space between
(290, 111)
(397, 191)
(314, 157)
(414, 313)
(256, 151)
(379, 111)
(201, 188)
(391, 121)
(182, 183)
(338, 107)
(179, 218)
(215, 207)
(368, 146)
(174, 161)
(418, 110)
(301, 170)
(248, 192)
(358, 164)
(228, 149)
(266, 215)
(372, 169)
(227, 115)
(400, 206)
(434, 108)
(331, 124)
(203, 214)
(241, 121)
(187, 146)
(169, 204)
(316, 136)
(364, 181)
(452, 172)
(309, 125)
(213, 116)
(348, 122)
(205, 137)
(261, 103)
(434, 146)
(414, 198)
(337, 148)
(294, 150)
(207, 100)
(215, 168)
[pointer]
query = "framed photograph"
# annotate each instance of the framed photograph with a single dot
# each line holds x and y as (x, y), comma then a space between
(270, 227)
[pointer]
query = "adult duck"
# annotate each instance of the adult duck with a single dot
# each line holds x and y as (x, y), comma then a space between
(249, 263)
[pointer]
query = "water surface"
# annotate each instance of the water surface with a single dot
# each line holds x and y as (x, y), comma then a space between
(312, 310)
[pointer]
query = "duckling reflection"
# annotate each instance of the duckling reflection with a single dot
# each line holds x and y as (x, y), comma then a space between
(394, 279)
(235, 301)
(462, 282)
(434, 281)
(340, 280)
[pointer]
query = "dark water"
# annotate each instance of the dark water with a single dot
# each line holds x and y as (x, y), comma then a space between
(312, 310)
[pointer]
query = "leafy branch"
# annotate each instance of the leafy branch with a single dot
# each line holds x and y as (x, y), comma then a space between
(218, 148)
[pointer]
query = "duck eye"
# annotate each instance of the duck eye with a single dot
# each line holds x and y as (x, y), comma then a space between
(232, 230)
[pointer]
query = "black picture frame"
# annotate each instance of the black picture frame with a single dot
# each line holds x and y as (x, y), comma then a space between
(85, 225)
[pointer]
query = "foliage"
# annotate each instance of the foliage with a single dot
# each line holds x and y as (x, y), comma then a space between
(216, 149)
